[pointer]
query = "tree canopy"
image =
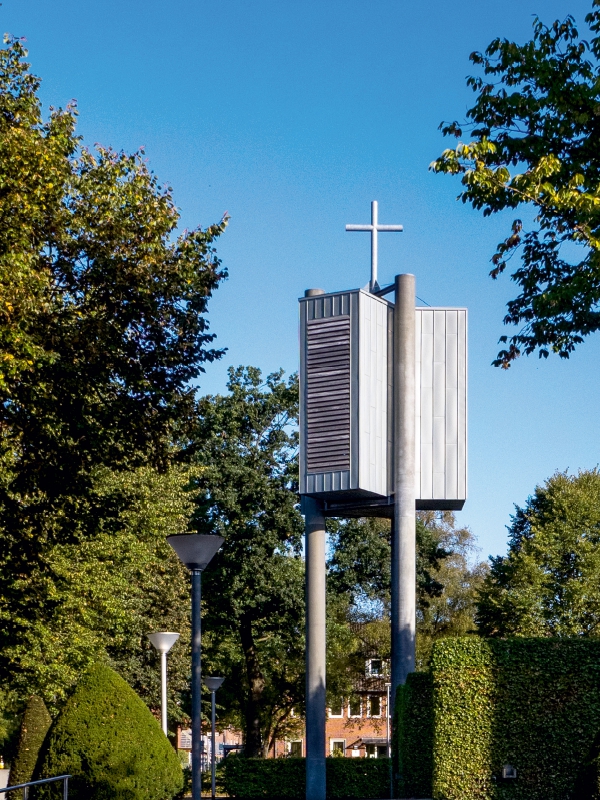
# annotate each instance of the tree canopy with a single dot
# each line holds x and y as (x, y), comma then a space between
(447, 581)
(99, 594)
(535, 143)
(549, 582)
(103, 331)
(102, 305)
(247, 491)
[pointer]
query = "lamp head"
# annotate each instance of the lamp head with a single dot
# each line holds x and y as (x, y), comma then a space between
(212, 684)
(195, 550)
(163, 641)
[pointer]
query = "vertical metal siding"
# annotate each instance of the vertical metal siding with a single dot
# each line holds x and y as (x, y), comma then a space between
(441, 407)
(425, 439)
(373, 390)
(441, 413)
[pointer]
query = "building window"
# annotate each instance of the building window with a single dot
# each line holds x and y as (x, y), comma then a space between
(374, 705)
(376, 751)
(296, 749)
(337, 708)
(338, 747)
(375, 667)
(355, 707)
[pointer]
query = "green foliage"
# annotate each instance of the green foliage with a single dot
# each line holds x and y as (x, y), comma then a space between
(103, 327)
(11, 715)
(534, 143)
(358, 777)
(447, 584)
(247, 491)
(587, 784)
(530, 703)
(286, 778)
(34, 727)
(119, 322)
(413, 735)
(547, 585)
(273, 777)
(112, 745)
(465, 685)
(103, 591)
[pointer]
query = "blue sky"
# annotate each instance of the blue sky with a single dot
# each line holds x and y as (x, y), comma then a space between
(293, 116)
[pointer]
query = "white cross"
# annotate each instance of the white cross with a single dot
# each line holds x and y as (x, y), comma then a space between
(374, 227)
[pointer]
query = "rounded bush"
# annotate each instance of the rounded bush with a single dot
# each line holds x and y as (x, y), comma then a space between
(108, 740)
(34, 727)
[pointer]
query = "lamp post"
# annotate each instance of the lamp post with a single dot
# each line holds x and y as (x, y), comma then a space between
(196, 550)
(387, 721)
(213, 684)
(163, 641)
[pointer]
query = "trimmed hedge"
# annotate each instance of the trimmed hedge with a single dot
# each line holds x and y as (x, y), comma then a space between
(251, 778)
(531, 703)
(108, 740)
(413, 736)
(465, 698)
(358, 777)
(34, 727)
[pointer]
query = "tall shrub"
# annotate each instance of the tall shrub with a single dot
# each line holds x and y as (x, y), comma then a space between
(413, 736)
(108, 740)
(34, 727)
(532, 704)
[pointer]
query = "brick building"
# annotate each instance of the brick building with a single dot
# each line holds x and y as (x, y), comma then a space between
(357, 726)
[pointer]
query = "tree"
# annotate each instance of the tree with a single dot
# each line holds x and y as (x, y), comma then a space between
(103, 327)
(535, 143)
(103, 591)
(548, 583)
(120, 319)
(247, 492)
(451, 610)
(359, 566)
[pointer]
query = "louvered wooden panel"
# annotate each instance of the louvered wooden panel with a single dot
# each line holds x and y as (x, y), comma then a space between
(328, 394)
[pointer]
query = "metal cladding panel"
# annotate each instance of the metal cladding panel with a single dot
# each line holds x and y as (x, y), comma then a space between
(346, 426)
(328, 394)
(373, 390)
(325, 482)
(441, 413)
(344, 394)
(328, 384)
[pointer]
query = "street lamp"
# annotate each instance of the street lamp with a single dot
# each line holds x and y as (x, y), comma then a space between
(213, 684)
(388, 686)
(163, 641)
(195, 550)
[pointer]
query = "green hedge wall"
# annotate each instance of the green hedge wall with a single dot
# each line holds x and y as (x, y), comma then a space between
(251, 778)
(464, 699)
(530, 703)
(413, 736)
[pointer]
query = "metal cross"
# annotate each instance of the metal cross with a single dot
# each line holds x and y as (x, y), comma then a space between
(374, 227)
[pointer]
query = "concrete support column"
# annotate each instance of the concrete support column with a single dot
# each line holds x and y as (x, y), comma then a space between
(403, 589)
(315, 648)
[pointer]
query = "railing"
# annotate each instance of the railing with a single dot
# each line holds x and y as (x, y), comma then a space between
(25, 786)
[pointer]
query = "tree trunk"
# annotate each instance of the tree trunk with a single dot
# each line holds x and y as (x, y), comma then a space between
(256, 685)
